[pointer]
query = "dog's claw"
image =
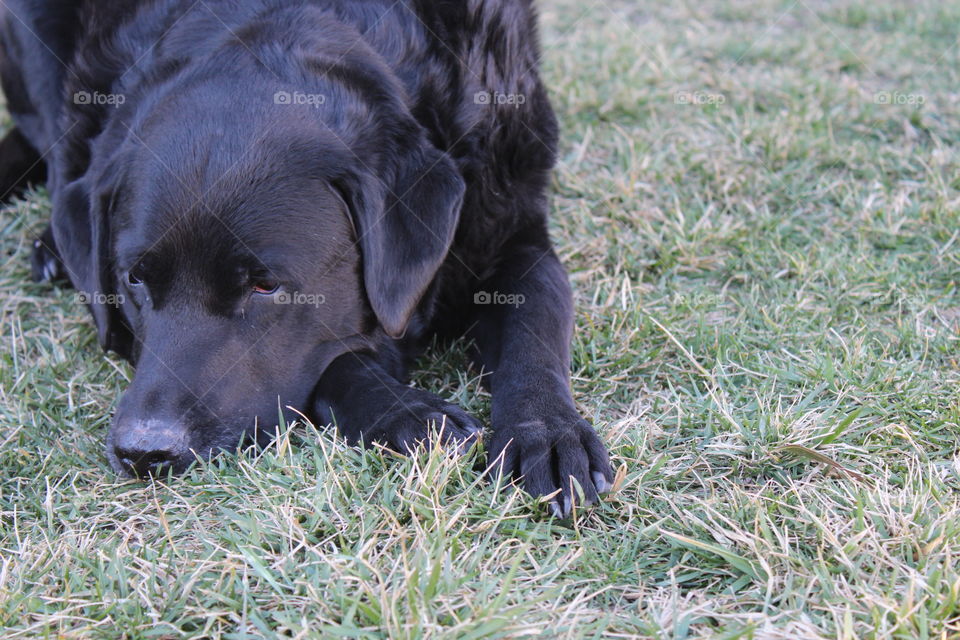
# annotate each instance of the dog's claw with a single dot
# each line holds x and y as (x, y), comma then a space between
(601, 483)
(555, 509)
(463, 446)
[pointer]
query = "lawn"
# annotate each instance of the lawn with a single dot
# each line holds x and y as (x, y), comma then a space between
(758, 204)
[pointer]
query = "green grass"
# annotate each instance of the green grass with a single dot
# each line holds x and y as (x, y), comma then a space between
(768, 326)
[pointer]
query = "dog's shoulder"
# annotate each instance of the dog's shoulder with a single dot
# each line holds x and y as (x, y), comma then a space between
(479, 91)
(506, 129)
(492, 47)
(498, 125)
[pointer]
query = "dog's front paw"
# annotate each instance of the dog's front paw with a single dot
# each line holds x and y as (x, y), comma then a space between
(45, 263)
(547, 454)
(412, 418)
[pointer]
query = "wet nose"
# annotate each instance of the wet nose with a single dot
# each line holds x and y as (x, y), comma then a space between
(151, 448)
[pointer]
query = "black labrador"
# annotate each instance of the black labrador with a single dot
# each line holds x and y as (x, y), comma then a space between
(270, 204)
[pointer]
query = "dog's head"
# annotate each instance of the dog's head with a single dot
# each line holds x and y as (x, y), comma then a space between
(236, 232)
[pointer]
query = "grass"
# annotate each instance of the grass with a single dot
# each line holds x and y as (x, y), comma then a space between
(758, 203)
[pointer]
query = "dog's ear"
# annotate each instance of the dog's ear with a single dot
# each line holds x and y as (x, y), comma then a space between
(405, 220)
(81, 233)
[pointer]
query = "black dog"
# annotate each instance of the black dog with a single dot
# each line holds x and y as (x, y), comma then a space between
(272, 203)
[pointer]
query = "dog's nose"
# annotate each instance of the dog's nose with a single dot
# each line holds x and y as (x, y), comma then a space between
(151, 448)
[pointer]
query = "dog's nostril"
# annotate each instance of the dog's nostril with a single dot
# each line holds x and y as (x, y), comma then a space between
(146, 463)
(154, 460)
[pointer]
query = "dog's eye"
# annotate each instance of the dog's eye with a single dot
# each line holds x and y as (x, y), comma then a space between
(134, 278)
(265, 287)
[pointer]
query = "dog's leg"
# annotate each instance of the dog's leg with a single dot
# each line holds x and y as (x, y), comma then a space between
(45, 262)
(370, 405)
(522, 334)
(20, 165)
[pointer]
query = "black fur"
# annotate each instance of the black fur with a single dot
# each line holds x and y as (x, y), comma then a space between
(381, 164)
